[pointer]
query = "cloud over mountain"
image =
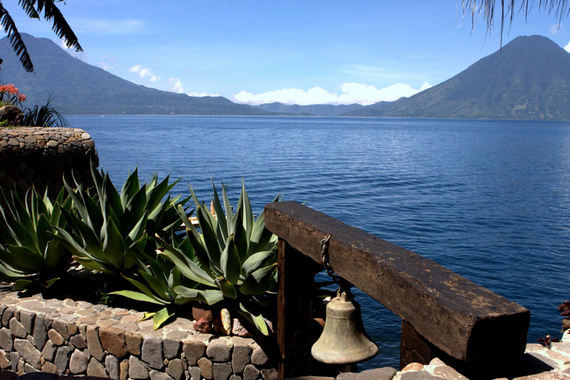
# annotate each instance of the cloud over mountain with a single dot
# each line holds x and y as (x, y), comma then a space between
(351, 93)
(144, 73)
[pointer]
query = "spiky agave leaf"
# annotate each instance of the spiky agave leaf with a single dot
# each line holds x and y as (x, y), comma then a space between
(113, 229)
(29, 251)
(232, 255)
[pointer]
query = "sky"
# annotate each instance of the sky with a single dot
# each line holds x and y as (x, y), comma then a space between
(294, 52)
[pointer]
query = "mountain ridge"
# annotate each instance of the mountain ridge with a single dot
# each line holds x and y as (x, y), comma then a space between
(77, 87)
(529, 78)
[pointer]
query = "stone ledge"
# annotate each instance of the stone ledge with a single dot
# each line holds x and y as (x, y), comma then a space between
(79, 338)
(41, 156)
(46, 139)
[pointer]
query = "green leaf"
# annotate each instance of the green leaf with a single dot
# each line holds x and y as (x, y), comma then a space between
(188, 269)
(209, 236)
(113, 245)
(260, 274)
(147, 316)
(137, 296)
(257, 320)
(156, 285)
(130, 187)
(52, 281)
(227, 205)
(255, 261)
(139, 229)
(230, 262)
(161, 317)
(22, 284)
(247, 213)
(187, 293)
(228, 290)
(221, 217)
(143, 288)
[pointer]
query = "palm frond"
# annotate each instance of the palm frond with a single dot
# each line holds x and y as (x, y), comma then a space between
(487, 9)
(15, 39)
(60, 25)
(28, 7)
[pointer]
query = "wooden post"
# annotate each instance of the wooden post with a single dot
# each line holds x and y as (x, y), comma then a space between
(296, 274)
(413, 347)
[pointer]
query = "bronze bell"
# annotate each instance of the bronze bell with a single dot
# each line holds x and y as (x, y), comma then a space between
(343, 340)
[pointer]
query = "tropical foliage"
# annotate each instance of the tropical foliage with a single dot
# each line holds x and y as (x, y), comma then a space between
(144, 239)
(10, 95)
(229, 260)
(37, 116)
(30, 252)
(233, 258)
(486, 8)
(36, 9)
(111, 230)
(157, 278)
(42, 116)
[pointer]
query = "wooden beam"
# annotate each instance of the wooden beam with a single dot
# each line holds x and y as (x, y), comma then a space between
(462, 319)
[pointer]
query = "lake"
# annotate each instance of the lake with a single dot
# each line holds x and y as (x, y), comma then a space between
(488, 199)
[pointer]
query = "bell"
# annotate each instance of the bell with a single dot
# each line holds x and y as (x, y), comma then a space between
(343, 340)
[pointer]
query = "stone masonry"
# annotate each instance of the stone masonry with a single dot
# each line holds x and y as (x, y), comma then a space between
(40, 156)
(77, 338)
(68, 337)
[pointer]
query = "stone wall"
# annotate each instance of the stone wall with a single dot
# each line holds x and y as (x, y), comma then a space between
(68, 337)
(79, 338)
(40, 156)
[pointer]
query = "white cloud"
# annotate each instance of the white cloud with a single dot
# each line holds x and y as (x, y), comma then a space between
(350, 93)
(177, 85)
(201, 94)
(567, 47)
(128, 26)
(106, 63)
(71, 51)
(144, 73)
(555, 28)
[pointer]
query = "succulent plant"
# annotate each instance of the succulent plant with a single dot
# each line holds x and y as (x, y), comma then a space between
(155, 284)
(30, 253)
(233, 257)
(110, 229)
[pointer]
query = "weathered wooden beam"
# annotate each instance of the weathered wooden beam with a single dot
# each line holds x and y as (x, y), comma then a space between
(462, 319)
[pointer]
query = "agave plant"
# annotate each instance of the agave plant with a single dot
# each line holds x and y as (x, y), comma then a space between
(30, 252)
(155, 284)
(233, 258)
(110, 229)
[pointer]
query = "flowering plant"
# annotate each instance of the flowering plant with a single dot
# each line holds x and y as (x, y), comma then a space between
(9, 94)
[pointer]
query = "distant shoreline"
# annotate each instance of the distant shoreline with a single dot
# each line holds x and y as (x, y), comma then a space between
(314, 116)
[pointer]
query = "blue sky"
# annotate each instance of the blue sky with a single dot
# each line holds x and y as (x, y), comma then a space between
(304, 52)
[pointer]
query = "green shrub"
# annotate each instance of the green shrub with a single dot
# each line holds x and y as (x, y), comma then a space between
(233, 258)
(30, 252)
(42, 116)
(111, 230)
(157, 278)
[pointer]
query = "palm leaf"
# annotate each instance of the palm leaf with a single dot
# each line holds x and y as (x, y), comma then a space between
(15, 39)
(59, 25)
(28, 7)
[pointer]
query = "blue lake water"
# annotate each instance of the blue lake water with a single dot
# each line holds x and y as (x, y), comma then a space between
(488, 199)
